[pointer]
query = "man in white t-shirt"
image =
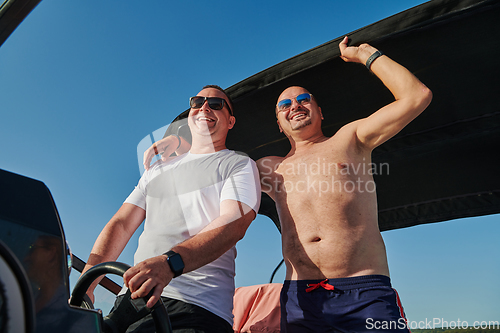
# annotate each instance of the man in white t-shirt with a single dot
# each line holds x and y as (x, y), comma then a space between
(196, 206)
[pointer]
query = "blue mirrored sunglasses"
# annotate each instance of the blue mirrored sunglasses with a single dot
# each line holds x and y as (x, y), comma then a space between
(285, 104)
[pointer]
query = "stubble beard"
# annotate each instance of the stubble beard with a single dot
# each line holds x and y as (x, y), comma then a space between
(302, 124)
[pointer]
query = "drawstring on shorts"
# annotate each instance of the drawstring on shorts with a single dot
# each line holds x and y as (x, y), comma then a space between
(324, 284)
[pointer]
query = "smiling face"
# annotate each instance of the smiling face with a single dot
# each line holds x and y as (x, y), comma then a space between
(298, 117)
(205, 121)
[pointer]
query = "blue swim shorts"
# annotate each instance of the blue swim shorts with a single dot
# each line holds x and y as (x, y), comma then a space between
(356, 304)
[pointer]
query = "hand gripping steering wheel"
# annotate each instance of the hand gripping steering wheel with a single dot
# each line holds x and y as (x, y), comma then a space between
(129, 311)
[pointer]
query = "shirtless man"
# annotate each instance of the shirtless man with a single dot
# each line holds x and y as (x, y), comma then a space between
(327, 204)
(326, 200)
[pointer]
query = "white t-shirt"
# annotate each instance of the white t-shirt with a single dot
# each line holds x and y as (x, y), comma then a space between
(183, 196)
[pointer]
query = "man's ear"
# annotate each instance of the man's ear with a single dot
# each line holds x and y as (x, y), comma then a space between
(320, 113)
(278, 122)
(232, 121)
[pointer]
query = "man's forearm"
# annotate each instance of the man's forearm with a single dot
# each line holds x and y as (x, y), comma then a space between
(114, 237)
(216, 239)
(206, 246)
(411, 96)
(400, 81)
(106, 248)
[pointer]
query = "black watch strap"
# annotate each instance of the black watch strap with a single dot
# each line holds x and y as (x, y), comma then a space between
(175, 262)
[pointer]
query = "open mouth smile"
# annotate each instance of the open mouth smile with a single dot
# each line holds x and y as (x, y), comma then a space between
(205, 119)
(298, 115)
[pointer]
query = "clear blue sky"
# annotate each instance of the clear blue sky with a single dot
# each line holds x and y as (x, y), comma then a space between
(81, 85)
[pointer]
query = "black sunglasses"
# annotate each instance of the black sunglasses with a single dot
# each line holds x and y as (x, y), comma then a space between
(285, 104)
(215, 103)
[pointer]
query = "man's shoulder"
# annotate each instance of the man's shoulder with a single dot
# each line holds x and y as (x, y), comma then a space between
(233, 161)
(344, 137)
(236, 153)
(234, 156)
(269, 163)
(271, 159)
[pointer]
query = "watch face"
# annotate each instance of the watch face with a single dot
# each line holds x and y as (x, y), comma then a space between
(176, 263)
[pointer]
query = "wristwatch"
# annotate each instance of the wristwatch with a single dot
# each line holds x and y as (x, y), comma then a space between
(175, 262)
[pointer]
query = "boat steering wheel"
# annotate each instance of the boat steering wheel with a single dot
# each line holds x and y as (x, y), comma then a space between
(129, 311)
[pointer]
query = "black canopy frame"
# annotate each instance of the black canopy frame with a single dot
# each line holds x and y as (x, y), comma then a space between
(443, 165)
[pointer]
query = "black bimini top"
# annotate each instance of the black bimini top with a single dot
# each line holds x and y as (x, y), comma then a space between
(12, 13)
(444, 165)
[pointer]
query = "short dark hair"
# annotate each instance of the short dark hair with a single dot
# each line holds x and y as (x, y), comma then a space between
(229, 100)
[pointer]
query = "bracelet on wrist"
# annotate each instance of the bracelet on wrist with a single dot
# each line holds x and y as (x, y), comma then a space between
(372, 58)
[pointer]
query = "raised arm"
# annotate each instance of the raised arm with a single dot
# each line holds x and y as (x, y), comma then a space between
(113, 238)
(206, 246)
(411, 96)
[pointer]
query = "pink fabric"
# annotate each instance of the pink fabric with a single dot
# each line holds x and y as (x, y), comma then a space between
(257, 308)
